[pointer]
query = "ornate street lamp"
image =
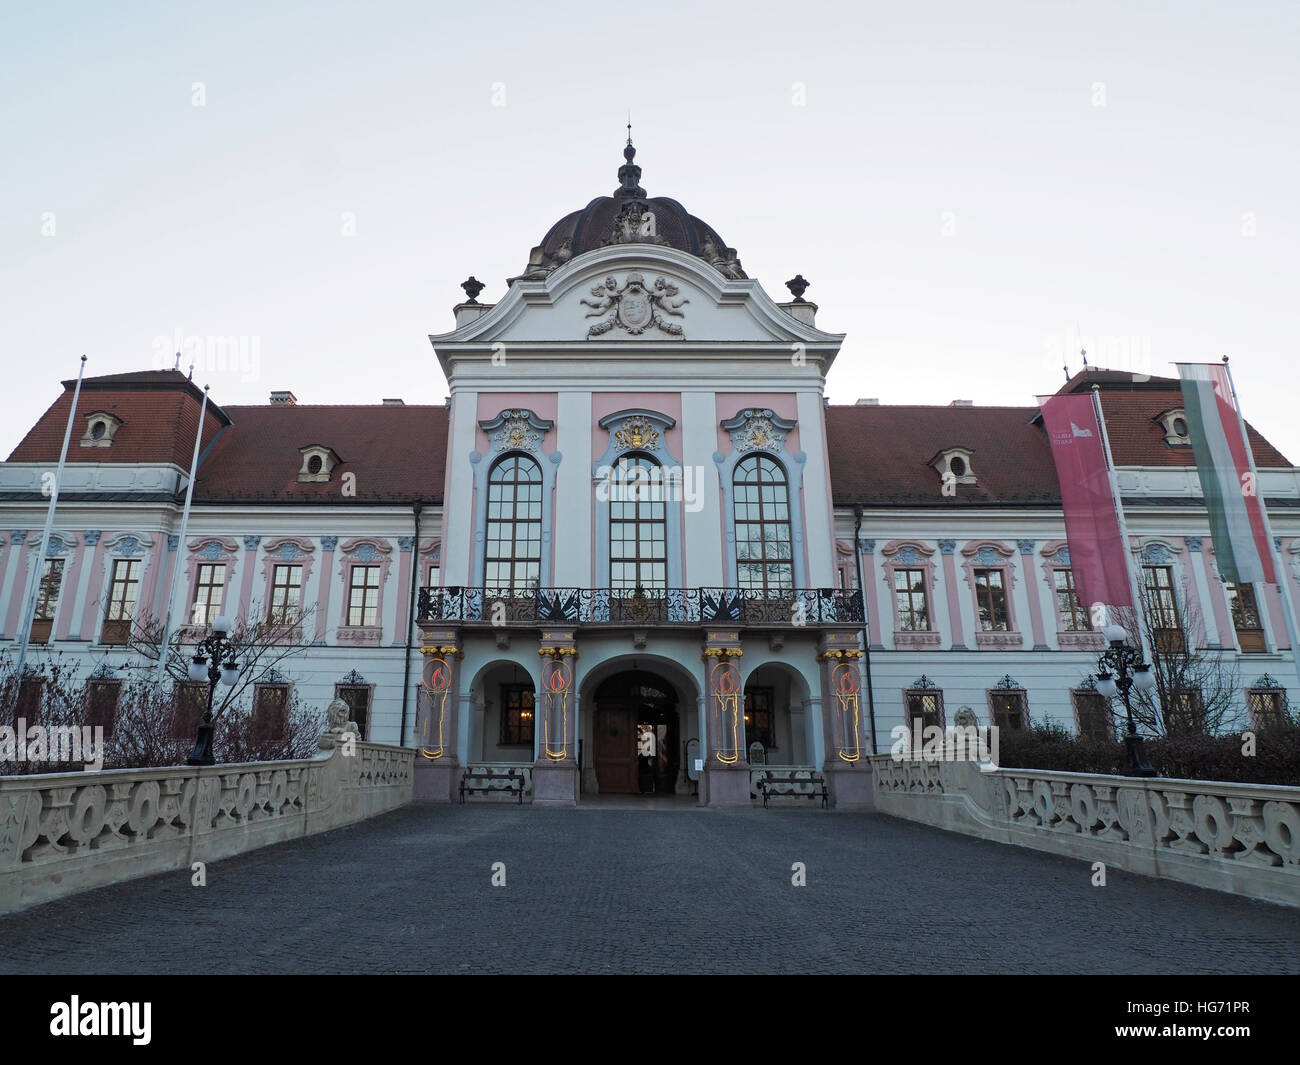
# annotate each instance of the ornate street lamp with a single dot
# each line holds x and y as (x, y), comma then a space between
(1129, 672)
(212, 650)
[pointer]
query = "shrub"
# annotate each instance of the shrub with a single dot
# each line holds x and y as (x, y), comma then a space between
(1276, 757)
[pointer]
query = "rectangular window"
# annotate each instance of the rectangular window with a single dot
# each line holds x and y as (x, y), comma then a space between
(363, 596)
(191, 702)
(516, 715)
(31, 696)
(1073, 617)
(758, 718)
(926, 706)
(270, 712)
(1267, 706)
(47, 600)
(123, 590)
(357, 696)
(1162, 604)
(910, 600)
(1009, 709)
(435, 575)
(286, 595)
(1184, 712)
(1095, 721)
(209, 592)
(991, 599)
(1245, 619)
(101, 704)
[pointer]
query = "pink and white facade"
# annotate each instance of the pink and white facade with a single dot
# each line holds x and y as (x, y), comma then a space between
(507, 597)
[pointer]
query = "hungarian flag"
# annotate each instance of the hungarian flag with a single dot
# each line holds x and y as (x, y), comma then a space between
(1098, 557)
(1227, 480)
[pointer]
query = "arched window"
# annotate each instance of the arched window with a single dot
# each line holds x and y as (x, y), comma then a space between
(638, 525)
(513, 560)
(761, 498)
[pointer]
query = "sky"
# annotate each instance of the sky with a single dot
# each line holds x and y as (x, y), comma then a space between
(975, 191)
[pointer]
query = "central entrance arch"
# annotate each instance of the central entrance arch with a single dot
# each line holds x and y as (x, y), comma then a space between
(635, 734)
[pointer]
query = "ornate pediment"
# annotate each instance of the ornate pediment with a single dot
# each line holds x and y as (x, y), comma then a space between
(516, 430)
(758, 430)
(634, 306)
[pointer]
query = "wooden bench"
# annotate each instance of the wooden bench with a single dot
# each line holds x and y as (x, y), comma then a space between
(799, 784)
(487, 780)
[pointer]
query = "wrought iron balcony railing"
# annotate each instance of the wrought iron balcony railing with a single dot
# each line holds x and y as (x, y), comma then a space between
(642, 606)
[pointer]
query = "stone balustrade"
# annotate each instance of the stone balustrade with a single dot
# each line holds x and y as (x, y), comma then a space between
(1242, 838)
(61, 833)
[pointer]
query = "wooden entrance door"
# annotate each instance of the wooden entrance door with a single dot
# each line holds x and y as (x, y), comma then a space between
(615, 750)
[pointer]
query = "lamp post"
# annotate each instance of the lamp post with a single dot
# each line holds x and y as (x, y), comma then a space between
(1129, 672)
(207, 668)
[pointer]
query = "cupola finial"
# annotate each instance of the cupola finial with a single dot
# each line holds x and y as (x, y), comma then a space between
(629, 174)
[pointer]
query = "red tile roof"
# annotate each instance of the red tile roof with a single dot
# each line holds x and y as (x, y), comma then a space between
(1137, 439)
(397, 453)
(158, 409)
(879, 454)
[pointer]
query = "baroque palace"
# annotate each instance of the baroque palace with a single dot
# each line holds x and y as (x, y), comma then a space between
(625, 556)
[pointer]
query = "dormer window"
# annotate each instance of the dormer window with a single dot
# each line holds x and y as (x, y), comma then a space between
(954, 465)
(1174, 423)
(317, 462)
(100, 429)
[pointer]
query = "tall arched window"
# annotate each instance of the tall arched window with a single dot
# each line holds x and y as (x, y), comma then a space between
(513, 560)
(761, 498)
(638, 525)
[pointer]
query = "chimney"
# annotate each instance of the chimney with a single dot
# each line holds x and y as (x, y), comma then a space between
(394, 403)
(872, 402)
(283, 399)
(962, 403)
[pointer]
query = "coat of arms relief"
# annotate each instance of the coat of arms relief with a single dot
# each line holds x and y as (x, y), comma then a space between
(634, 306)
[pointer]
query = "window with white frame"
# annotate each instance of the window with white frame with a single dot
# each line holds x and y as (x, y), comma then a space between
(761, 511)
(513, 561)
(638, 527)
(286, 595)
(209, 593)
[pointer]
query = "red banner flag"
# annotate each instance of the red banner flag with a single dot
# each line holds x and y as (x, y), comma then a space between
(1098, 555)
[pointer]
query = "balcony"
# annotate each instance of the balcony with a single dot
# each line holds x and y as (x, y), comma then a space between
(642, 607)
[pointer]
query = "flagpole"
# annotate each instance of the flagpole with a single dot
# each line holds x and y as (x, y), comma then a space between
(1283, 589)
(1133, 586)
(29, 608)
(185, 522)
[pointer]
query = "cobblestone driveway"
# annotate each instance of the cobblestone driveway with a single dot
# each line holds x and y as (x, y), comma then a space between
(627, 890)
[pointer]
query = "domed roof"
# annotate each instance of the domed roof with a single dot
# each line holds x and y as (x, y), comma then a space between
(630, 217)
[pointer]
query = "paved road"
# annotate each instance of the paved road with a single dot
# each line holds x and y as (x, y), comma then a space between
(617, 890)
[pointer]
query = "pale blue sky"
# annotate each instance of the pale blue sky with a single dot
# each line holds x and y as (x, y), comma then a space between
(962, 206)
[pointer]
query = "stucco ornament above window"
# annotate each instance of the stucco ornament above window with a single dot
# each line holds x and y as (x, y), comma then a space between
(516, 430)
(636, 434)
(758, 430)
(635, 306)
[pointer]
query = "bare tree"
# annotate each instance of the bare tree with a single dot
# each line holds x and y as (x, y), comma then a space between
(259, 646)
(1197, 688)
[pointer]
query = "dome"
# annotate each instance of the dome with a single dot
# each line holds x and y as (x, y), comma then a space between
(630, 217)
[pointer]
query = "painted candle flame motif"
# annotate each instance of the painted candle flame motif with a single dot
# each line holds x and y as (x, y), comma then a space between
(844, 681)
(437, 682)
(727, 702)
(557, 681)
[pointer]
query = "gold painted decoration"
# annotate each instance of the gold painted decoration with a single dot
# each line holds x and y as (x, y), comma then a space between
(437, 679)
(724, 681)
(846, 688)
(557, 683)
